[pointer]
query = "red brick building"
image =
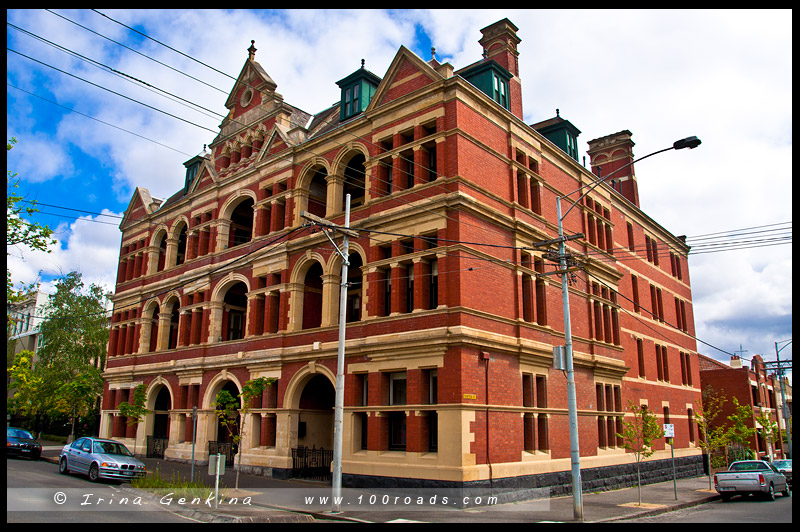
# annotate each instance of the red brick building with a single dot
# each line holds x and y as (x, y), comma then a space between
(751, 387)
(451, 314)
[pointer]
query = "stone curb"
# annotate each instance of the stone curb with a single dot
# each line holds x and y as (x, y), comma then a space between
(657, 511)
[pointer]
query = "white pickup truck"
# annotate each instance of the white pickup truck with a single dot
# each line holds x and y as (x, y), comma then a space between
(751, 477)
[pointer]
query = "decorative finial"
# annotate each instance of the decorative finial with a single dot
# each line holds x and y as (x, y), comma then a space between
(557, 113)
(484, 53)
(252, 50)
(433, 53)
(362, 63)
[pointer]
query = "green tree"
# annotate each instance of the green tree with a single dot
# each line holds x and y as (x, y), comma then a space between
(769, 430)
(739, 431)
(712, 436)
(135, 410)
(638, 435)
(77, 397)
(29, 391)
(73, 350)
(75, 332)
(233, 412)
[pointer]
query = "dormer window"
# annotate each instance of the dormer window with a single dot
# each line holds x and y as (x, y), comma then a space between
(351, 101)
(491, 78)
(192, 169)
(500, 90)
(357, 90)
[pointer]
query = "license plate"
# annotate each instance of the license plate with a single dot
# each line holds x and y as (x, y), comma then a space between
(726, 489)
(127, 473)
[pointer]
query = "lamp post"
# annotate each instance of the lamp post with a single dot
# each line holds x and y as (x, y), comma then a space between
(689, 142)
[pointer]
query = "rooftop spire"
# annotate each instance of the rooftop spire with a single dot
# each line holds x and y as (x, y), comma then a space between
(252, 50)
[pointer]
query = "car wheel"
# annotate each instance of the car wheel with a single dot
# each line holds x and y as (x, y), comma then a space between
(770, 495)
(62, 466)
(787, 491)
(94, 474)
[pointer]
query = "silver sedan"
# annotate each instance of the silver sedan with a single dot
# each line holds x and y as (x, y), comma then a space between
(100, 459)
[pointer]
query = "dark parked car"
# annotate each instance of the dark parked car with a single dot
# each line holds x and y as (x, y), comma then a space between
(785, 467)
(100, 459)
(20, 442)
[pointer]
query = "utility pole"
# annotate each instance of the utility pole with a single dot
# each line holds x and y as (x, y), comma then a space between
(780, 368)
(338, 412)
(566, 266)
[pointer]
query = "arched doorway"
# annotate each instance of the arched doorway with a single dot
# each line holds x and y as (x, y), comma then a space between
(226, 432)
(161, 413)
(158, 433)
(314, 452)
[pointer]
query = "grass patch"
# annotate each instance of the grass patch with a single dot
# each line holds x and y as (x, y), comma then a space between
(176, 484)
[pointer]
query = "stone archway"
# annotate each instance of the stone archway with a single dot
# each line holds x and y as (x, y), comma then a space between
(312, 398)
(315, 417)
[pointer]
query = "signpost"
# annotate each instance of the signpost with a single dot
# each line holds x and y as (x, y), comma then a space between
(669, 433)
(216, 466)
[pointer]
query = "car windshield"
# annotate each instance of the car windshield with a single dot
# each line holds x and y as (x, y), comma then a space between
(748, 466)
(18, 433)
(783, 463)
(111, 447)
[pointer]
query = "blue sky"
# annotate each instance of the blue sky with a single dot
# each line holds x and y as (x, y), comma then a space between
(724, 76)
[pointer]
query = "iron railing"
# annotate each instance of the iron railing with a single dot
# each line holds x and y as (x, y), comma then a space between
(227, 449)
(156, 446)
(311, 463)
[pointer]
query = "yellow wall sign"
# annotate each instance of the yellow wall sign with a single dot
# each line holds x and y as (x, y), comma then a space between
(470, 396)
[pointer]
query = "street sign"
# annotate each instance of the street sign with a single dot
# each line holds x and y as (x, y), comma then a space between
(559, 357)
(669, 430)
(212, 465)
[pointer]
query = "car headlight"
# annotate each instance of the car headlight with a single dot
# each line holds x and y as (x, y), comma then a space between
(109, 464)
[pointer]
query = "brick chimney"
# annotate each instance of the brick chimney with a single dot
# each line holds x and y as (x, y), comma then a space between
(499, 42)
(610, 153)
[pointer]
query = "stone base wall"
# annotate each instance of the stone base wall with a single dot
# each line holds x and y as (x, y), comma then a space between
(547, 484)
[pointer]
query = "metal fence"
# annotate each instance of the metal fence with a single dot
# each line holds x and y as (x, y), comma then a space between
(156, 447)
(311, 463)
(227, 449)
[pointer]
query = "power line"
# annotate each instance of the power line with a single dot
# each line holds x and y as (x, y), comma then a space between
(109, 90)
(136, 51)
(127, 77)
(101, 121)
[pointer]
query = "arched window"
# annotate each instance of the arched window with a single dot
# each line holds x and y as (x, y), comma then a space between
(354, 180)
(241, 230)
(312, 297)
(172, 341)
(354, 288)
(161, 244)
(180, 256)
(234, 312)
(318, 193)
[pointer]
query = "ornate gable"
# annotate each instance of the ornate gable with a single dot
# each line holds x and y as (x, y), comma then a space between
(406, 74)
(252, 84)
(142, 204)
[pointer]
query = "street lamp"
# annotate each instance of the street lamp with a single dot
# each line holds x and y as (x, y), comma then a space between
(688, 142)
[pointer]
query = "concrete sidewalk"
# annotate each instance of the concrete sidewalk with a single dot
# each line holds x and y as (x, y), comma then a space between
(263, 499)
